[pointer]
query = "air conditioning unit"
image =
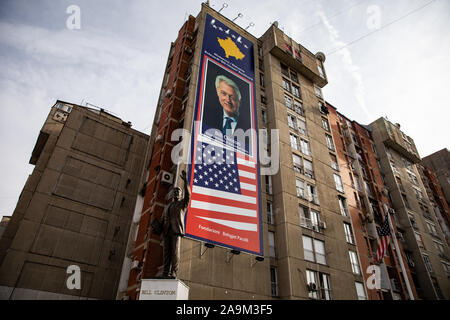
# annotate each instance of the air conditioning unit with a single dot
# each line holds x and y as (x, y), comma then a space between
(312, 286)
(322, 225)
(166, 177)
(135, 264)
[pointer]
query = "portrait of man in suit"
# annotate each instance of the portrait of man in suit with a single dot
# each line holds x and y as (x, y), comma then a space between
(227, 105)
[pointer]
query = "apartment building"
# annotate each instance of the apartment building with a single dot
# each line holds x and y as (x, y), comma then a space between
(318, 227)
(364, 204)
(423, 240)
(75, 210)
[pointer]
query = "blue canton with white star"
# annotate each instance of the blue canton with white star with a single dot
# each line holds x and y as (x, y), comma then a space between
(216, 169)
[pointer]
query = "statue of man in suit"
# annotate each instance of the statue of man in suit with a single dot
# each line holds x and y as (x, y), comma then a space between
(173, 228)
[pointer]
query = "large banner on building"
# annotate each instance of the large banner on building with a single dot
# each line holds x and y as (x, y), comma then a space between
(225, 206)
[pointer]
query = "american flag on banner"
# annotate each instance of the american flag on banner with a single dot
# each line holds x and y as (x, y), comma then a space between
(385, 236)
(224, 198)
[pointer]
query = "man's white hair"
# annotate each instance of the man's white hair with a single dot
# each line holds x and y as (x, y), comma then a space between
(230, 82)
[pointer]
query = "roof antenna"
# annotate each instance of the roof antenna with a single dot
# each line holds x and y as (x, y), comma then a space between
(225, 5)
(250, 25)
(240, 15)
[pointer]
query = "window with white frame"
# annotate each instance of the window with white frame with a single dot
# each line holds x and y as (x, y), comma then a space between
(313, 285)
(360, 292)
(273, 281)
(318, 91)
(309, 218)
(343, 206)
(348, 233)
(305, 147)
(338, 182)
(301, 124)
(298, 107)
(271, 241)
(268, 180)
(292, 121)
(432, 228)
(419, 239)
(427, 261)
(270, 217)
(294, 141)
(440, 248)
(314, 250)
(296, 91)
(298, 164)
(300, 185)
(309, 172)
(325, 124)
(312, 193)
(334, 162)
(329, 141)
(288, 102)
(354, 262)
(446, 267)
(264, 115)
(318, 285)
(286, 85)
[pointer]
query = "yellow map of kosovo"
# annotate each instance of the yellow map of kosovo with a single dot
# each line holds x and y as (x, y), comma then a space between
(231, 50)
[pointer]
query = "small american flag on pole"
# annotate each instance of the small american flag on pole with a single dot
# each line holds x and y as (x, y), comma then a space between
(385, 236)
(224, 198)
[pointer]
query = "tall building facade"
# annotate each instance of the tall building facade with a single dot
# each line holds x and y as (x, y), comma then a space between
(75, 208)
(439, 164)
(364, 201)
(320, 210)
(423, 240)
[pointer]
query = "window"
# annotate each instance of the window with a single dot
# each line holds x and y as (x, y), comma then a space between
(317, 91)
(309, 172)
(312, 194)
(325, 124)
(288, 102)
(329, 140)
(419, 239)
(292, 121)
(294, 76)
(334, 163)
(264, 115)
(284, 70)
(273, 282)
(428, 263)
(400, 184)
(360, 291)
(272, 244)
(305, 147)
(268, 184)
(302, 126)
(338, 182)
(296, 91)
(432, 228)
(354, 262)
(286, 85)
(314, 250)
(440, 248)
(405, 200)
(300, 184)
(319, 68)
(298, 107)
(294, 141)
(446, 267)
(343, 206)
(309, 218)
(298, 166)
(270, 217)
(311, 279)
(318, 285)
(348, 233)
(308, 248)
(413, 221)
(261, 79)
(437, 289)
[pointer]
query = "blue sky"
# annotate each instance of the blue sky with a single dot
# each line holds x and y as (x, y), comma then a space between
(117, 59)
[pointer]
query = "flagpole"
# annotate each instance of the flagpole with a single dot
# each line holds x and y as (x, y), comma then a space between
(399, 256)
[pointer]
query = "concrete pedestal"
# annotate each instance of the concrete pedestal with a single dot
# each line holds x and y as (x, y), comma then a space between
(163, 289)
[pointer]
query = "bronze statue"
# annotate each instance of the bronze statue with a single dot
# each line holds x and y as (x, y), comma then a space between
(173, 228)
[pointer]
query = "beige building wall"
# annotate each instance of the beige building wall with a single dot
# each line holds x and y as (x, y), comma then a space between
(75, 208)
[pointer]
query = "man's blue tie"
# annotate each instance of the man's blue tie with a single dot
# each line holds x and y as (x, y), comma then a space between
(227, 125)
